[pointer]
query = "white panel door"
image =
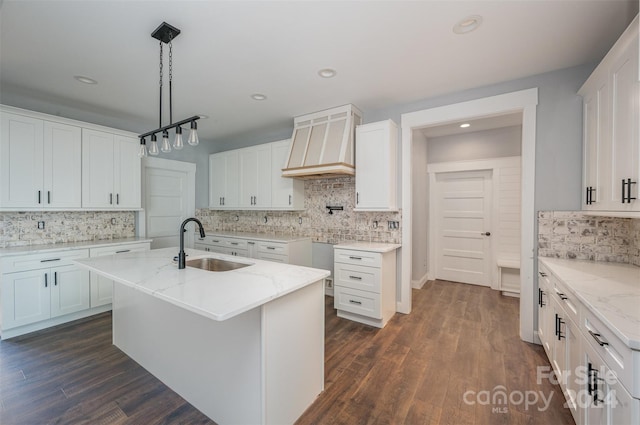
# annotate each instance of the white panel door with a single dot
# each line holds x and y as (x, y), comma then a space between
(21, 156)
(62, 165)
(165, 206)
(70, 290)
(464, 227)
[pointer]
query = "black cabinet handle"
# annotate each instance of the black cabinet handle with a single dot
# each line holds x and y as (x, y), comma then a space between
(289, 199)
(48, 196)
(39, 197)
(589, 198)
(355, 302)
(271, 247)
(543, 274)
(627, 198)
(111, 199)
(598, 339)
(356, 258)
(122, 251)
(357, 198)
(118, 198)
(560, 323)
(49, 260)
(46, 280)
(562, 296)
(355, 277)
(55, 278)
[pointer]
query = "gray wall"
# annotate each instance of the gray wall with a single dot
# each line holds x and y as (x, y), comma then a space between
(494, 143)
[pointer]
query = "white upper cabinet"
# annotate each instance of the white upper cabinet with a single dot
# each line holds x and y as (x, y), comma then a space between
(224, 180)
(376, 176)
(110, 171)
(286, 193)
(611, 129)
(40, 164)
(255, 177)
(251, 179)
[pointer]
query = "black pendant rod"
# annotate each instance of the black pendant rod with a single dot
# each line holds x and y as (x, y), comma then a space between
(170, 126)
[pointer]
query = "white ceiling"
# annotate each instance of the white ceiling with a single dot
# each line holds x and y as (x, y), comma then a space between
(385, 53)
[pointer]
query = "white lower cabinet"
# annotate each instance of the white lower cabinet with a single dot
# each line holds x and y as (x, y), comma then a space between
(101, 287)
(39, 287)
(365, 284)
(594, 368)
(289, 251)
(40, 290)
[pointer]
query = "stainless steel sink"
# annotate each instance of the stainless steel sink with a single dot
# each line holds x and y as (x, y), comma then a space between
(215, 264)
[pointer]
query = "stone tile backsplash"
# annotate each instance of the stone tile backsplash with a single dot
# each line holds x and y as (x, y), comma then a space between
(574, 235)
(341, 226)
(21, 228)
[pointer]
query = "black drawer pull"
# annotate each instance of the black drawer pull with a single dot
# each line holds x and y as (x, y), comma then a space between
(234, 243)
(355, 302)
(55, 278)
(121, 251)
(598, 339)
(49, 260)
(215, 241)
(355, 258)
(271, 247)
(562, 296)
(355, 277)
(46, 280)
(543, 274)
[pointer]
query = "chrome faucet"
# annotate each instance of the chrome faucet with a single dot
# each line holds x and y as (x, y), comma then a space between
(182, 257)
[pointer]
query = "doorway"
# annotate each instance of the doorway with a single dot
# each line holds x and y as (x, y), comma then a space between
(168, 194)
(463, 203)
(525, 102)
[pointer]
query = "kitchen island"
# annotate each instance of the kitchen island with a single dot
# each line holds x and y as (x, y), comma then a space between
(244, 346)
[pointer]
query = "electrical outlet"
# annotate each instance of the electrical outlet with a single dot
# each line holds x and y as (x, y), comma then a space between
(393, 225)
(41, 225)
(328, 282)
(299, 220)
(113, 221)
(375, 224)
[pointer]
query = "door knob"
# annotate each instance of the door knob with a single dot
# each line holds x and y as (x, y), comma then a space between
(486, 233)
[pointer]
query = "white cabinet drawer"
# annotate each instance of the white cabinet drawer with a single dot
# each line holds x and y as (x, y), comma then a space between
(616, 355)
(210, 240)
(41, 261)
(358, 277)
(235, 244)
(268, 256)
(119, 249)
(273, 248)
(567, 301)
(363, 258)
(356, 301)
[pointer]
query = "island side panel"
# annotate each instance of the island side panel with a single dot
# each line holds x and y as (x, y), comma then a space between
(214, 365)
(293, 344)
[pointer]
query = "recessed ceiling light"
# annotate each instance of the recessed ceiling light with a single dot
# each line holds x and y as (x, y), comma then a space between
(468, 24)
(258, 96)
(327, 73)
(84, 79)
(465, 125)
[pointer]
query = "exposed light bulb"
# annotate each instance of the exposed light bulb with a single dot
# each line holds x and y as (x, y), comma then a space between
(153, 149)
(193, 134)
(178, 143)
(165, 147)
(143, 149)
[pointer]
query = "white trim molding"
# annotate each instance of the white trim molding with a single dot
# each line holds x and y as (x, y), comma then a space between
(524, 101)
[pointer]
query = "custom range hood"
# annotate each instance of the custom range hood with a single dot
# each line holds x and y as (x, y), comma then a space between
(323, 144)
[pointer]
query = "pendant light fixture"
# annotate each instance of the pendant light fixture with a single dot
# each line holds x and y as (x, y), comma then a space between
(166, 33)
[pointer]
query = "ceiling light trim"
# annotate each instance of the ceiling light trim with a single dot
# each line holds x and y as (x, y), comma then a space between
(85, 80)
(468, 24)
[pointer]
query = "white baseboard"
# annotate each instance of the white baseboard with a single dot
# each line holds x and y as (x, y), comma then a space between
(419, 283)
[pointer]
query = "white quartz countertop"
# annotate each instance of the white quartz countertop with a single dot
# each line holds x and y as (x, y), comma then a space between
(610, 291)
(216, 295)
(368, 246)
(39, 249)
(267, 237)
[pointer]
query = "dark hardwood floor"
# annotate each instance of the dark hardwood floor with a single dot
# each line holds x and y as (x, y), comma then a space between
(460, 343)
